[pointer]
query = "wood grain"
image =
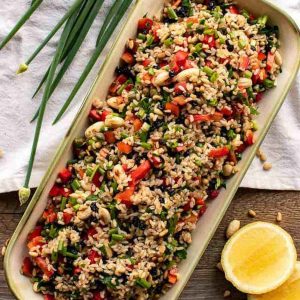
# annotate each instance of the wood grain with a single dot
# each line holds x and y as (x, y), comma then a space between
(206, 282)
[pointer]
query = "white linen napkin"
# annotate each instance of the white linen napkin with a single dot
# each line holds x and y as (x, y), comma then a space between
(281, 145)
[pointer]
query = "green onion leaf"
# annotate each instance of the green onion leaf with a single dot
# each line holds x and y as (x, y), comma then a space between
(143, 283)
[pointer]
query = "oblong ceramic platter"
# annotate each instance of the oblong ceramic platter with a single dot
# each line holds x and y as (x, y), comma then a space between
(269, 106)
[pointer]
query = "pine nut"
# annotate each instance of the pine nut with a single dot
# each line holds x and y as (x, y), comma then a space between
(252, 213)
(233, 227)
(267, 166)
(227, 294)
(279, 217)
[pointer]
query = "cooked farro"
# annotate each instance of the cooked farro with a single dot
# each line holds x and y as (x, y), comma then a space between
(174, 125)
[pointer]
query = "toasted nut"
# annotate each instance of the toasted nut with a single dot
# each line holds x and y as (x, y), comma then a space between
(244, 83)
(116, 103)
(279, 217)
(84, 213)
(108, 250)
(278, 58)
(267, 166)
(94, 129)
(252, 213)
(227, 294)
(112, 121)
(186, 74)
(233, 227)
(104, 215)
(130, 44)
(219, 267)
(35, 287)
(262, 156)
(3, 250)
(227, 170)
(160, 78)
(97, 103)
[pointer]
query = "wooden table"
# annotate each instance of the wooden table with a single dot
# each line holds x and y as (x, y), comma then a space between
(207, 282)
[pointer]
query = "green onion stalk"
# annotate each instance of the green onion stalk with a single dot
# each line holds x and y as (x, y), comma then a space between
(21, 22)
(100, 46)
(24, 66)
(24, 192)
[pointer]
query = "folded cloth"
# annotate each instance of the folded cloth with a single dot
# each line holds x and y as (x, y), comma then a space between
(17, 108)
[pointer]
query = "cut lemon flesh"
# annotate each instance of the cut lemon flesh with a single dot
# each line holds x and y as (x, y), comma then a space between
(259, 258)
(290, 290)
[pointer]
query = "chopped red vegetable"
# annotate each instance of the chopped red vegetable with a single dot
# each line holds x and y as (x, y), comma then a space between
(261, 56)
(145, 25)
(94, 115)
(180, 100)
(109, 137)
(209, 40)
(44, 266)
(27, 267)
(180, 88)
(49, 297)
(36, 241)
(244, 62)
(117, 83)
(218, 152)
(146, 62)
(270, 61)
(234, 10)
(137, 124)
(249, 137)
(67, 217)
(124, 197)
(96, 179)
(173, 108)
(128, 58)
(65, 175)
(35, 232)
(140, 172)
(104, 114)
(124, 148)
(93, 256)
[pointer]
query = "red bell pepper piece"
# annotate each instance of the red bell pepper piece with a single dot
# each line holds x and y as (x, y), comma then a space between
(98, 296)
(124, 148)
(261, 56)
(217, 116)
(65, 175)
(93, 256)
(55, 191)
(41, 263)
(76, 270)
(91, 231)
(34, 233)
(145, 25)
(103, 115)
(67, 218)
(174, 67)
(249, 137)
(27, 267)
(258, 97)
(49, 215)
(94, 115)
(140, 172)
(49, 297)
(244, 62)
(109, 137)
(117, 83)
(241, 148)
(127, 58)
(233, 10)
(124, 197)
(175, 110)
(180, 88)
(137, 124)
(181, 57)
(226, 111)
(146, 62)
(213, 194)
(209, 40)
(270, 61)
(96, 179)
(218, 152)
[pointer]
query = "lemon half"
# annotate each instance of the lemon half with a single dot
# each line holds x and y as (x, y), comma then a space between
(290, 290)
(259, 258)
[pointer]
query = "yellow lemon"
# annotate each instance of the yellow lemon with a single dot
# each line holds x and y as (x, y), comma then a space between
(290, 290)
(259, 258)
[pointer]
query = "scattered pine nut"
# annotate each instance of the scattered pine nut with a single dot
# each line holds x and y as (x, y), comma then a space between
(279, 217)
(232, 228)
(263, 157)
(219, 267)
(267, 166)
(258, 152)
(227, 294)
(252, 213)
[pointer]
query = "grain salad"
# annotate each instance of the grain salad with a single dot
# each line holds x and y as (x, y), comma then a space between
(175, 123)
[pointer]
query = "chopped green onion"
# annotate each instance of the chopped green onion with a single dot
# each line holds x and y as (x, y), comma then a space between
(63, 203)
(242, 43)
(209, 31)
(70, 254)
(214, 76)
(21, 22)
(172, 14)
(75, 185)
(76, 207)
(168, 42)
(248, 74)
(89, 171)
(142, 37)
(268, 83)
(117, 237)
(146, 146)
(73, 201)
(143, 283)
(262, 21)
(172, 224)
(208, 70)
(114, 185)
(182, 254)
(213, 102)
(150, 40)
(54, 256)
(95, 170)
(151, 71)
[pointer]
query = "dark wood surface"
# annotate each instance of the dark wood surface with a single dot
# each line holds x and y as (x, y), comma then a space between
(207, 282)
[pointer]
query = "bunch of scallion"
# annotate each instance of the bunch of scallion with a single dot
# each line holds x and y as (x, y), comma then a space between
(76, 23)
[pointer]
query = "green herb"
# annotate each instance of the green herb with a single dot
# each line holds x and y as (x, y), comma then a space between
(76, 207)
(245, 13)
(213, 102)
(70, 254)
(107, 281)
(262, 21)
(182, 254)
(209, 31)
(231, 134)
(202, 22)
(114, 185)
(242, 43)
(143, 283)
(172, 14)
(253, 111)
(248, 74)
(92, 198)
(172, 224)
(151, 71)
(113, 231)
(143, 136)
(54, 256)
(73, 201)
(53, 232)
